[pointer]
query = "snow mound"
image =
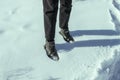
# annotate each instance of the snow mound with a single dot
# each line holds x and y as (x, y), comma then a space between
(115, 14)
(110, 68)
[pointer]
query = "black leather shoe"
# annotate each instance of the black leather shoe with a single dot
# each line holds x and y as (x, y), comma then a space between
(51, 51)
(66, 35)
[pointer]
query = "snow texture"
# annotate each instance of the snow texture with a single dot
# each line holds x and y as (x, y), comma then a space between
(95, 54)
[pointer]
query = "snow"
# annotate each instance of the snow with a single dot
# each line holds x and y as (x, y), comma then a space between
(95, 54)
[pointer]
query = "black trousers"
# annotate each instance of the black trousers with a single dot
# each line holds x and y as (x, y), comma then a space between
(50, 8)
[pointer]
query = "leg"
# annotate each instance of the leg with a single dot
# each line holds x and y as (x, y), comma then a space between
(50, 8)
(50, 14)
(65, 10)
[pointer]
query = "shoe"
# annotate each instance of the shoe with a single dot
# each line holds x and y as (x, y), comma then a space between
(51, 51)
(66, 36)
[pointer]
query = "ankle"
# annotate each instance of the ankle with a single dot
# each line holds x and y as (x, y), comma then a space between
(50, 43)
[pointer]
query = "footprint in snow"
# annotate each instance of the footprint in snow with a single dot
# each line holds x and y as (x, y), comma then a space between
(52, 78)
(18, 74)
(10, 14)
(1, 32)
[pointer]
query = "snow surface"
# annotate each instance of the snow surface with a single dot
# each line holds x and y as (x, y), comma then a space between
(95, 54)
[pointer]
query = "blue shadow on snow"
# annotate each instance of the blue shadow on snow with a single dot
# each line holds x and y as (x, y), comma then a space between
(93, 32)
(90, 43)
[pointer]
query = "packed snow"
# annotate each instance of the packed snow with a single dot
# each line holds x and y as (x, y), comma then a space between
(95, 54)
